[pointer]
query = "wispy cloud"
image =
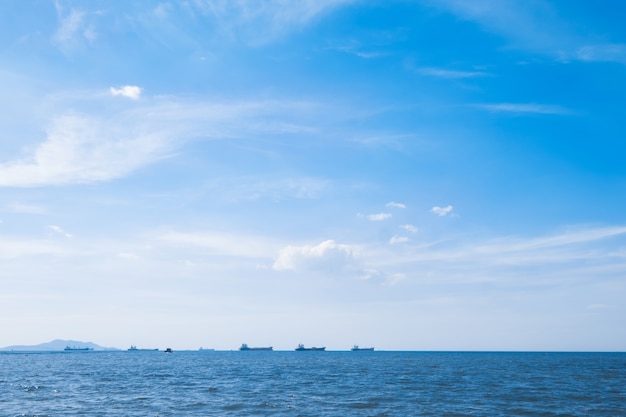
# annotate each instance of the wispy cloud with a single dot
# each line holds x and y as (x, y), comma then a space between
(550, 260)
(128, 256)
(260, 22)
(60, 231)
(388, 279)
(533, 25)
(356, 49)
(14, 248)
(409, 228)
(25, 208)
(563, 239)
(74, 30)
(81, 149)
(599, 306)
(451, 74)
(221, 243)
(396, 205)
(378, 217)
(602, 53)
(398, 239)
(277, 189)
(85, 148)
(442, 211)
(585, 254)
(524, 108)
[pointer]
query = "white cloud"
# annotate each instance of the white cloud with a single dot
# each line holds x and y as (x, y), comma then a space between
(398, 239)
(131, 91)
(442, 211)
(378, 217)
(60, 231)
(327, 256)
(396, 205)
(409, 228)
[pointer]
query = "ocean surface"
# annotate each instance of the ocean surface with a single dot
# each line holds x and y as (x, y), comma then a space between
(236, 383)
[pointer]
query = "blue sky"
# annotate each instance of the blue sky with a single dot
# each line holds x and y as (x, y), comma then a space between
(404, 174)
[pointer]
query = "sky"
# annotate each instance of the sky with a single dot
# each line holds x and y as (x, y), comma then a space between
(409, 175)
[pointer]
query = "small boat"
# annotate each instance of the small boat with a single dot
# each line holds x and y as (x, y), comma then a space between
(301, 348)
(245, 347)
(169, 350)
(134, 348)
(356, 348)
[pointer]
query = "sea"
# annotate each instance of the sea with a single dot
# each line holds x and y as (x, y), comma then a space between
(332, 383)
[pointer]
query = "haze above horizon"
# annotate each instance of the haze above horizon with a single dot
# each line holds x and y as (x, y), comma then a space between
(425, 175)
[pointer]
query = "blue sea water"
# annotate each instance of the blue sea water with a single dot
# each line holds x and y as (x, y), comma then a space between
(312, 384)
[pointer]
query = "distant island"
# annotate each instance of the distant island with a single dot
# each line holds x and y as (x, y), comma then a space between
(56, 345)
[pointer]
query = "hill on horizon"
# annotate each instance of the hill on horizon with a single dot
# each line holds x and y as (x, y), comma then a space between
(55, 345)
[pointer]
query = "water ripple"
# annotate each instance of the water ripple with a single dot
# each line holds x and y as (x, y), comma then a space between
(328, 384)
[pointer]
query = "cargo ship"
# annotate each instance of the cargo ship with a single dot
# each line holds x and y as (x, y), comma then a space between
(301, 348)
(245, 347)
(356, 348)
(134, 348)
(79, 349)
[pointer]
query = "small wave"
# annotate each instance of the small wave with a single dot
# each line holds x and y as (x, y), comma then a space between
(363, 405)
(234, 407)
